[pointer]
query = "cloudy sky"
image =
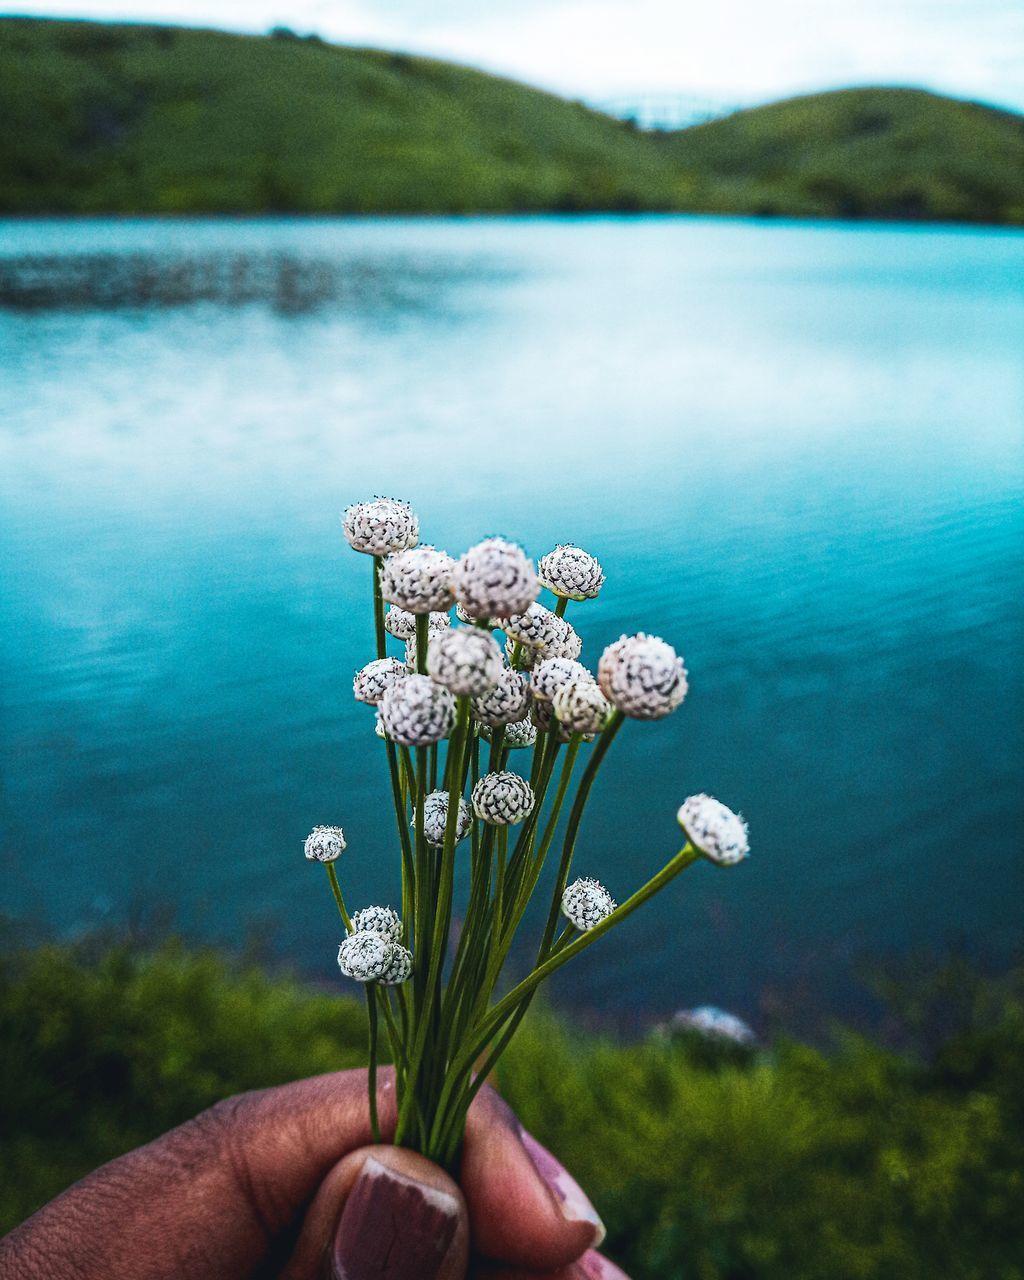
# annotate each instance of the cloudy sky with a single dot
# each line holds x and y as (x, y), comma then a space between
(732, 51)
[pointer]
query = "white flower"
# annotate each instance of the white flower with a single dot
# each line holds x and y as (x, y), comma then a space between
(325, 844)
(523, 657)
(366, 956)
(549, 675)
(435, 818)
(374, 678)
(495, 579)
(402, 624)
(586, 903)
(714, 829)
(418, 580)
(508, 701)
(716, 1024)
(571, 572)
(581, 706)
(536, 628)
(643, 676)
(466, 660)
(416, 712)
(519, 733)
(399, 969)
(380, 526)
(502, 798)
(543, 716)
(382, 920)
(567, 644)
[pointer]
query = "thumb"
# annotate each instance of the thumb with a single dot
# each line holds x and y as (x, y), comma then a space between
(383, 1212)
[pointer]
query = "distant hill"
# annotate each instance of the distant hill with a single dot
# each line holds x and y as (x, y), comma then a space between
(101, 118)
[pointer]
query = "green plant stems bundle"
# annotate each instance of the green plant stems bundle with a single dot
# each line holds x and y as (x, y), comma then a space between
(467, 880)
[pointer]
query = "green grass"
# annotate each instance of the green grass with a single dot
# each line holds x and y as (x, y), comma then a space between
(142, 119)
(862, 1164)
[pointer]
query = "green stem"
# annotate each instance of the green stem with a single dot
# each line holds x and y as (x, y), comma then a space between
(422, 639)
(332, 875)
(378, 609)
(560, 608)
(371, 1010)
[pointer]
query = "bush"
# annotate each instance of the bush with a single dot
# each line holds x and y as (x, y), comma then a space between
(863, 1163)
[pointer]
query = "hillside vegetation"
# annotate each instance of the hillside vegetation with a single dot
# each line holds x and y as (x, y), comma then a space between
(784, 1165)
(104, 118)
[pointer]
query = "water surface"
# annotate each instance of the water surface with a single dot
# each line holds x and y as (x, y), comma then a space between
(797, 450)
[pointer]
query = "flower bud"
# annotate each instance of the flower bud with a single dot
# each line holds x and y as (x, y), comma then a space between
(371, 681)
(381, 526)
(586, 903)
(571, 572)
(382, 920)
(435, 818)
(465, 660)
(502, 799)
(495, 579)
(642, 676)
(401, 624)
(518, 733)
(418, 580)
(581, 706)
(714, 829)
(325, 844)
(366, 956)
(550, 674)
(506, 702)
(416, 712)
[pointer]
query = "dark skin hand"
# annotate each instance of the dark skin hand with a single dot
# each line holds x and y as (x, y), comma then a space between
(285, 1183)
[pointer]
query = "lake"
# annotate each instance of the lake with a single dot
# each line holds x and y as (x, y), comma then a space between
(798, 451)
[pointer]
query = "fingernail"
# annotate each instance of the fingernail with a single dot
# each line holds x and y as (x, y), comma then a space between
(593, 1267)
(568, 1194)
(393, 1226)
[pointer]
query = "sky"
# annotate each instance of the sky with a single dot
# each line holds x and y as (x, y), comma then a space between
(733, 52)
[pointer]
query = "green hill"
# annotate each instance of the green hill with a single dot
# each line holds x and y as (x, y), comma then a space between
(104, 118)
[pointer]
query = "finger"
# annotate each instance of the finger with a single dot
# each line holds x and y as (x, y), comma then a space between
(525, 1209)
(209, 1200)
(592, 1266)
(383, 1212)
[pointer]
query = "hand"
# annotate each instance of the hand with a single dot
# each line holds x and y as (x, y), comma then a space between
(283, 1183)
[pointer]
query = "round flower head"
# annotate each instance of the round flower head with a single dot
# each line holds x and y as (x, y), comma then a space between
(549, 675)
(643, 676)
(520, 733)
(418, 580)
(325, 844)
(416, 712)
(536, 628)
(381, 526)
(502, 799)
(714, 829)
(374, 678)
(402, 624)
(495, 579)
(507, 701)
(543, 716)
(520, 654)
(366, 956)
(586, 902)
(382, 920)
(567, 644)
(581, 706)
(435, 818)
(571, 572)
(399, 968)
(466, 660)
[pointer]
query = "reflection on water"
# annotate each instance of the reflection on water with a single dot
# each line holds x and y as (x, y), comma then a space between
(797, 451)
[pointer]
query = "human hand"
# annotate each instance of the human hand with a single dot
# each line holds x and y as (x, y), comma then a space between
(285, 1183)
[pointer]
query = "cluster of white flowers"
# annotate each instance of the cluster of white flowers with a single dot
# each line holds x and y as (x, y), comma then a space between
(714, 829)
(526, 688)
(372, 952)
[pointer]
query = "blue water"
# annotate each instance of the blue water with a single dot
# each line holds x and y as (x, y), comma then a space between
(797, 449)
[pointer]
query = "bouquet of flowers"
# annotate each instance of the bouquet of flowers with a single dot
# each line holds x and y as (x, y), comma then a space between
(482, 742)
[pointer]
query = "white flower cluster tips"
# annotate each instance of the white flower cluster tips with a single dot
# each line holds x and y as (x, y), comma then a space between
(372, 952)
(643, 676)
(714, 829)
(381, 526)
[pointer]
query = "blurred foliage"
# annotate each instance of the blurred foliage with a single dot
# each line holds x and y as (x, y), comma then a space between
(126, 119)
(790, 1163)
